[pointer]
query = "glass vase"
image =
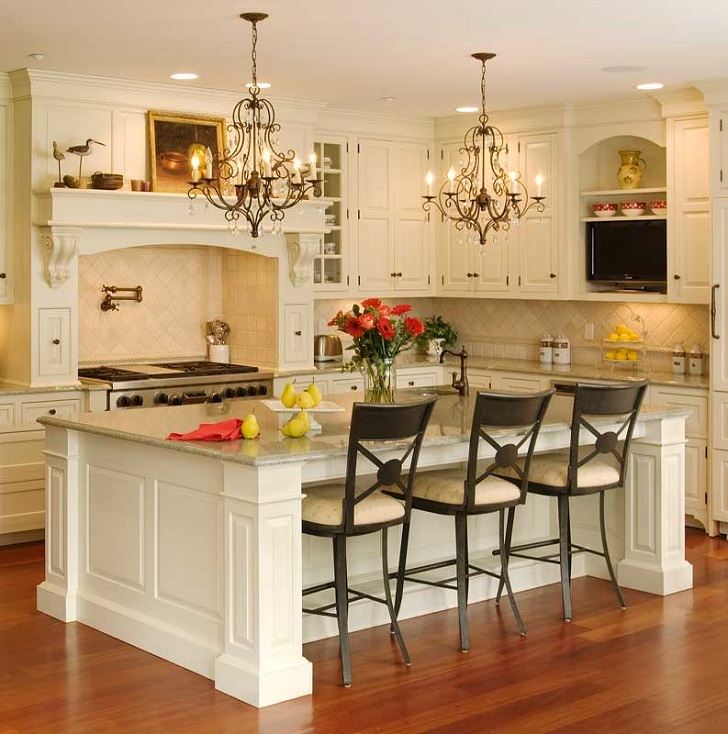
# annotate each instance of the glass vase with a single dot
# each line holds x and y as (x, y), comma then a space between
(379, 380)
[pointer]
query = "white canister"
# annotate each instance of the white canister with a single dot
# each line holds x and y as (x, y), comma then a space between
(679, 359)
(696, 360)
(546, 349)
(562, 350)
(219, 353)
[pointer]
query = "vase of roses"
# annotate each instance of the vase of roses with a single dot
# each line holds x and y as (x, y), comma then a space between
(379, 333)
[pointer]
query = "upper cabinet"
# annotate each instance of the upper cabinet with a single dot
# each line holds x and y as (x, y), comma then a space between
(394, 241)
(6, 290)
(719, 158)
(524, 262)
(688, 218)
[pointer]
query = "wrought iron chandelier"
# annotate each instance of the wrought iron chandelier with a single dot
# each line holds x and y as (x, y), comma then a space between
(464, 197)
(252, 178)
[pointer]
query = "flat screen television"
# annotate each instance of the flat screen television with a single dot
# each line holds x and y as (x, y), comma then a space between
(627, 254)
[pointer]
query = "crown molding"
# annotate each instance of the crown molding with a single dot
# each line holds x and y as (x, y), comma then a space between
(681, 102)
(715, 91)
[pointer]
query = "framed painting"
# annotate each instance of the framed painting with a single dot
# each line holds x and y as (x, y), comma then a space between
(173, 139)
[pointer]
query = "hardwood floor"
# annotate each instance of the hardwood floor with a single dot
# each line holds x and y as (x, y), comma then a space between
(659, 666)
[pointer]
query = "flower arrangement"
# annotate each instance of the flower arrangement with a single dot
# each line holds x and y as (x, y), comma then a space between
(437, 329)
(379, 332)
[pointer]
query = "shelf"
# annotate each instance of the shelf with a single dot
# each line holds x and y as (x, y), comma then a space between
(324, 171)
(625, 192)
(641, 217)
(333, 227)
(330, 257)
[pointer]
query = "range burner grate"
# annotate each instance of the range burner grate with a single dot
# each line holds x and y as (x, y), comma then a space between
(208, 368)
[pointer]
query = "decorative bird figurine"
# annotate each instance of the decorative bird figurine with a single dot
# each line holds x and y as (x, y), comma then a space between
(58, 155)
(82, 151)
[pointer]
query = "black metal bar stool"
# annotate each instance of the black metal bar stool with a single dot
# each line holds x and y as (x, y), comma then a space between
(342, 511)
(583, 471)
(448, 492)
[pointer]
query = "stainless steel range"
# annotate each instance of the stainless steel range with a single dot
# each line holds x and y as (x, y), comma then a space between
(177, 383)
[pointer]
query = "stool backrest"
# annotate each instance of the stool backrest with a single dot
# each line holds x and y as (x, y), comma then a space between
(404, 423)
(504, 410)
(620, 401)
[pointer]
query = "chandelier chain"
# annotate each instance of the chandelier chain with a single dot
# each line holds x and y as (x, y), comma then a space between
(254, 54)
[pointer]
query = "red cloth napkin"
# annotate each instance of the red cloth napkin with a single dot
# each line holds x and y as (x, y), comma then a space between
(227, 430)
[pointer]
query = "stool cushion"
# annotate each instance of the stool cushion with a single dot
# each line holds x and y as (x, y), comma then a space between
(448, 487)
(323, 505)
(552, 470)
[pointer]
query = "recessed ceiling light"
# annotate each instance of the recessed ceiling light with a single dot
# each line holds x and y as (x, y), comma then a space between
(466, 109)
(388, 99)
(261, 85)
(36, 56)
(183, 76)
(649, 86)
(623, 69)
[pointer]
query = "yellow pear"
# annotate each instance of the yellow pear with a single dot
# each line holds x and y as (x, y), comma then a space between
(250, 427)
(304, 400)
(315, 393)
(288, 396)
(296, 427)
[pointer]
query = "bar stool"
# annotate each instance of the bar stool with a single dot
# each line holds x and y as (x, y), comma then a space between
(343, 511)
(448, 492)
(582, 472)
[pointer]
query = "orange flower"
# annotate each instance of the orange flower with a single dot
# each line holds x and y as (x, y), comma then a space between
(401, 308)
(367, 320)
(385, 328)
(414, 326)
(371, 302)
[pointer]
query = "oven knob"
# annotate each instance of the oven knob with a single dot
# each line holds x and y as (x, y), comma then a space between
(123, 402)
(137, 400)
(215, 397)
(252, 390)
(229, 392)
(161, 398)
(175, 400)
(263, 390)
(240, 392)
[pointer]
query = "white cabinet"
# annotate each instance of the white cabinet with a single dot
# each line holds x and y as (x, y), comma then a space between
(696, 479)
(719, 153)
(346, 385)
(54, 342)
(719, 306)
(6, 290)
(688, 225)
(419, 378)
(393, 237)
(297, 336)
(519, 383)
(719, 485)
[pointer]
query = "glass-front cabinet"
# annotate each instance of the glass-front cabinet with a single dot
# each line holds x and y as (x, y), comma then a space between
(330, 268)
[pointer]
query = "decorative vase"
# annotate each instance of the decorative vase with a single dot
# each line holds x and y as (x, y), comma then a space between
(434, 347)
(379, 380)
(631, 170)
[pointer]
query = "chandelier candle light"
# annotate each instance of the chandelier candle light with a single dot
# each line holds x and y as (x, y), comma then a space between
(265, 181)
(464, 197)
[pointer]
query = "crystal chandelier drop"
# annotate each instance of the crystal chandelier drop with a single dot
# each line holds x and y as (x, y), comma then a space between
(251, 178)
(464, 197)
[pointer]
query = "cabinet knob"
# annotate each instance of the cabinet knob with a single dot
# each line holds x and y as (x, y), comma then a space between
(552, 275)
(399, 275)
(676, 277)
(470, 275)
(52, 411)
(2, 276)
(354, 387)
(476, 275)
(393, 275)
(297, 333)
(56, 341)
(411, 383)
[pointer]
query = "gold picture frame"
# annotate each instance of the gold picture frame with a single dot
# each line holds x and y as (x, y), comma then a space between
(173, 137)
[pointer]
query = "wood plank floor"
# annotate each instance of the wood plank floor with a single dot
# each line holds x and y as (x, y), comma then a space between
(659, 666)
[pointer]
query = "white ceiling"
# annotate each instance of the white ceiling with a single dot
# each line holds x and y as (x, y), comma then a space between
(351, 54)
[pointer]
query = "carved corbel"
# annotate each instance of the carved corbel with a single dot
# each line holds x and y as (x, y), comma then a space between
(61, 247)
(302, 249)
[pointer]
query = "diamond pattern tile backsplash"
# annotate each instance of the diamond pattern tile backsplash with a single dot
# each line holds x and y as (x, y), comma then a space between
(511, 328)
(181, 292)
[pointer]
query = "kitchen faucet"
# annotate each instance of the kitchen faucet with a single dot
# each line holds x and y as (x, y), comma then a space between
(459, 383)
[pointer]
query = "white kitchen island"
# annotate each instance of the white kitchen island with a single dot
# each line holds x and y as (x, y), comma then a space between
(194, 551)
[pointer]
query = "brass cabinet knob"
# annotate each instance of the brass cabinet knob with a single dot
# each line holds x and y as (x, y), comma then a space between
(297, 333)
(552, 275)
(56, 341)
(676, 277)
(2, 276)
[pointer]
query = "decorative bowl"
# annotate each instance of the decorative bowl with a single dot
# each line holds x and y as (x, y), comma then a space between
(633, 208)
(106, 181)
(604, 209)
(658, 207)
(173, 160)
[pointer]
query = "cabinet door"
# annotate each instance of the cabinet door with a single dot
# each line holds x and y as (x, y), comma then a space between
(375, 260)
(411, 235)
(719, 342)
(518, 383)
(537, 233)
(54, 341)
(689, 213)
(479, 380)
(719, 122)
(5, 288)
(297, 336)
(719, 482)
(696, 425)
(696, 477)
(418, 378)
(490, 267)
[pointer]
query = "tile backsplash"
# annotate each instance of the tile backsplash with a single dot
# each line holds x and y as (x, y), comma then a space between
(511, 328)
(181, 292)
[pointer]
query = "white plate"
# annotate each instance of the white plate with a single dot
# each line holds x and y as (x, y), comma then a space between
(325, 406)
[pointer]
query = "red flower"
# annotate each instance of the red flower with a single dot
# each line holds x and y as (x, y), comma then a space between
(413, 325)
(385, 310)
(367, 321)
(385, 328)
(335, 321)
(401, 308)
(371, 302)
(353, 328)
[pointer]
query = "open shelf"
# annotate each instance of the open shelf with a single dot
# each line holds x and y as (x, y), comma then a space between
(625, 192)
(640, 218)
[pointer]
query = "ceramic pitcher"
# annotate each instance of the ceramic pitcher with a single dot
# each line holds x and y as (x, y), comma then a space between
(631, 170)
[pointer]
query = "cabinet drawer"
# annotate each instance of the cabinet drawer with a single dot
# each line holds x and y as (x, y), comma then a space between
(696, 425)
(478, 380)
(354, 385)
(54, 341)
(418, 379)
(31, 411)
(518, 384)
(7, 416)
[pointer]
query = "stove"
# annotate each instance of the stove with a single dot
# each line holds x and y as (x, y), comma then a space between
(177, 383)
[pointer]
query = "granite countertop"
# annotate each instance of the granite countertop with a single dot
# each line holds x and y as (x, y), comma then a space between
(450, 424)
(574, 371)
(10, 389)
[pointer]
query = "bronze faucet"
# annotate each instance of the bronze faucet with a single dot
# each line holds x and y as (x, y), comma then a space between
(459, 383)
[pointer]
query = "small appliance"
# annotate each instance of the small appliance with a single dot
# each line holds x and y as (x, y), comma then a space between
(327, 348)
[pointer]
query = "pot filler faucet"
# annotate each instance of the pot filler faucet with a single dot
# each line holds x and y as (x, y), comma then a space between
(459, 383)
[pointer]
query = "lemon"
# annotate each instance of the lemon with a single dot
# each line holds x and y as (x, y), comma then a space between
(632, 355)
(611, 355)
(621, 356)
(613, 337)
